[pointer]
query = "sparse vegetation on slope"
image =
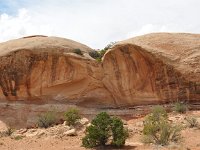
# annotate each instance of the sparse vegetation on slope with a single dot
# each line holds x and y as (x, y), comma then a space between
(94, 54)
(78, 51)
(99, 54)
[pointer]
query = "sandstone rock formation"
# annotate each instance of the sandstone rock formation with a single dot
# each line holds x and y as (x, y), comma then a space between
(41, 69)
(150, 69)
(154, 68)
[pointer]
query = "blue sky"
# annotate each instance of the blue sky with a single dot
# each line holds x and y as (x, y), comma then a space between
(97, 22)
(10, 6)
(4, 8)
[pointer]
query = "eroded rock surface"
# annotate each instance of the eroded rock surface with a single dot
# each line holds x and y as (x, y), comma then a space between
(151, 69)
(45, 68)
(135, 77)
(155, 68)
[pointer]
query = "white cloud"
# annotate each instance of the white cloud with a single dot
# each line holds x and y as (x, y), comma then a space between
(20, 25)
(152, 28)
(98, 22)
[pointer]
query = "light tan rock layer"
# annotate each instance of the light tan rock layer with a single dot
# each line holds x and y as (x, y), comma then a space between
(150, 69)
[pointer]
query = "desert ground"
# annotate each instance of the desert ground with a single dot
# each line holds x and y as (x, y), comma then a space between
(53, 139)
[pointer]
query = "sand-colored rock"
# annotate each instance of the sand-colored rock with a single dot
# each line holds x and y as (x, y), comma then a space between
(180, 50)
(46, 69)
(154, 69)
(83, 121)
(3, 127)
(71, 132)
(150, 69)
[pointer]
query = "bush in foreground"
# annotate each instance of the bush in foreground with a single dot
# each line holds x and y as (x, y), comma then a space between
(118, 132)
(103, 128)
(158, 130)
(46, 120)
(72, 116)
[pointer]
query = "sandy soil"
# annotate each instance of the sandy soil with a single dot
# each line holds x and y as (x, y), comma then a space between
(190, 139)
(70, 143)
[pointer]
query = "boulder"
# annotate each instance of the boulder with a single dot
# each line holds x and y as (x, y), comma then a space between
(83, 121)
(3, 127)
(71, 132)
(35, 133)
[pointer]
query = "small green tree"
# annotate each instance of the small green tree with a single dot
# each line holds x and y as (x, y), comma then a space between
(101, 129)
(72, 116)
(157, 128)
(46, 120)
(99, 132)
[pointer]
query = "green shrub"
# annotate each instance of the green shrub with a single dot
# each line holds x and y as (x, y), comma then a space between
(98, 55)
(158, 130)
(158, 113)
(180, 107)
(102, 128)
(77, 51)
(94, 54)
(99, 59)
(192, 122)
(72, 116)
(118, 132)
(97, 134)
(147, 139)
(102, 52)
(46, 120)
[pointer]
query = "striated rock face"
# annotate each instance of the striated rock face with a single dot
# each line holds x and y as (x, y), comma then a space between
(151, 69)
(45, 69)
(136, 77)
(156, 68)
